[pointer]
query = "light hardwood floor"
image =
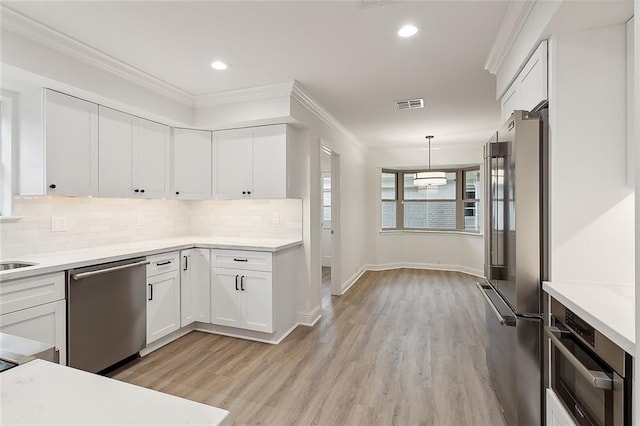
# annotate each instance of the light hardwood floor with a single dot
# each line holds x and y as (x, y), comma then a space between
(401, 347)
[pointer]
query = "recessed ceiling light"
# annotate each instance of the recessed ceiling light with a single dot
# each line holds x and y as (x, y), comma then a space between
(407, 31)
(219, 65)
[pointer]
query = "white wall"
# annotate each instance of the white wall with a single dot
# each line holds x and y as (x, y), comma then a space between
(352, 229)
(24, 59)
(436, 250)
(592, 207)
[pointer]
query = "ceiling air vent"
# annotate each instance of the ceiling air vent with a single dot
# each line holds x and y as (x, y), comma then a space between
(410, 104)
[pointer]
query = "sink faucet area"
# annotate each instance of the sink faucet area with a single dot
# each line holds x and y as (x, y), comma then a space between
(4, 266)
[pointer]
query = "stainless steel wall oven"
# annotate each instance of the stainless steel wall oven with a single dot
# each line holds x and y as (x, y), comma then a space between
(590, 374)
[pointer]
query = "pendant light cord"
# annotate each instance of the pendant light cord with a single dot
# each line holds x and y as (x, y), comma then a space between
(429, 139)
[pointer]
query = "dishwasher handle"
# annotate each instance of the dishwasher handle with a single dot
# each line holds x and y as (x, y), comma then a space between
(107, 270)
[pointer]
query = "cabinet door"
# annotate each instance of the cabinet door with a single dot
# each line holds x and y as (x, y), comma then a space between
(44, 323)
(151, 159)
(163, 305)
(257, 291)
(233, 170)
(201, 287)
(226, 297)
(192, 163)
(533, 79)
(510, 101)
(557, 414)
(71, 143)
(269, 162)
(187, 310)
(116, 153)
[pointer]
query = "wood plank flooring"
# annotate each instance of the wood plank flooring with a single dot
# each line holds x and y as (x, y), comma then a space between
(401, 347)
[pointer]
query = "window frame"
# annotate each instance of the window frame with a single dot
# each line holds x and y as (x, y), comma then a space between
(400, 200)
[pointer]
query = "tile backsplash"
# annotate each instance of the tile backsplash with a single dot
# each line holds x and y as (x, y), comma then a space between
(102, 221)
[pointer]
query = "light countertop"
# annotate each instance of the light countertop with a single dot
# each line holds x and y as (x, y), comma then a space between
(610, 308)
(60, 261)
(43, 393)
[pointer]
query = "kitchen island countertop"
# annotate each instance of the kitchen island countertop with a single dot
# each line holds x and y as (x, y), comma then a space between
(69, 259)
(43, 393)
(610, 308)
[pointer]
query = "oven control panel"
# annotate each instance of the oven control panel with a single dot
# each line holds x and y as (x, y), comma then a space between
(581, 327)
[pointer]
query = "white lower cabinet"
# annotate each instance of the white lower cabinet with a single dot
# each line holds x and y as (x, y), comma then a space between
(195, 288)
(44, 323)
(242, 298)
(163, 305)
(557, 414)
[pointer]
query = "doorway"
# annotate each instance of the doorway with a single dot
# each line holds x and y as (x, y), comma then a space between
(329, 220)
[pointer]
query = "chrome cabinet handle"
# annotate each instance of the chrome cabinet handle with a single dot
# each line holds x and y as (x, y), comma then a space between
(508, 321)
(597, 379)
(107, 270)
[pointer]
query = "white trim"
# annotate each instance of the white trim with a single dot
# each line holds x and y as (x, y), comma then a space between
(514, 19)
(243, 95)
(167, 339)
(429, 266)
(31, 29)
(299, 94)
(346, 286)
(310, 318)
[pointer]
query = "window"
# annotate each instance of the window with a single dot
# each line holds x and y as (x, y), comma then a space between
(453, 206)
(326, 200)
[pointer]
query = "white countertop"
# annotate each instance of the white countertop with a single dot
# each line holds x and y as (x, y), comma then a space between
(59, 261)
(610, 308)
(40, 392)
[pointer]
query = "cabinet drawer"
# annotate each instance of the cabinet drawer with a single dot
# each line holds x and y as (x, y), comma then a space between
(161, 263)
(240, 259)
(28, 292)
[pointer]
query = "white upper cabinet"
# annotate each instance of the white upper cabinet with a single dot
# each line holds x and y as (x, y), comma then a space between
(133, 156)
(251, 163)
(71, 145)
(529, 88)
(533, 79)
(152, 159)
(233, 163)
(192, 162)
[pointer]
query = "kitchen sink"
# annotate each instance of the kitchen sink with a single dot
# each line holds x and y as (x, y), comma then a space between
(14, 265)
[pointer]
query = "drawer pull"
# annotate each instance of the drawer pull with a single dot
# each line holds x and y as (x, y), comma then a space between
(236, 259)
(168, 262)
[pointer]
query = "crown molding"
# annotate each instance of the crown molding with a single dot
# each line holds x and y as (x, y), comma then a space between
(514, 20)
(325, 116)
(243, 95)
(31, 29)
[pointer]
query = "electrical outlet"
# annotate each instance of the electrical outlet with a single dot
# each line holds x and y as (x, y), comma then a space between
(58, 224)
(276, 218)
(140, 220)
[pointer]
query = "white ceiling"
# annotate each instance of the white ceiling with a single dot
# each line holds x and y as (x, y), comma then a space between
(348, 57)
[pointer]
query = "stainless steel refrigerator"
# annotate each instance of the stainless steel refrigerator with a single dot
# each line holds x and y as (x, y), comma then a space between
(515, 235)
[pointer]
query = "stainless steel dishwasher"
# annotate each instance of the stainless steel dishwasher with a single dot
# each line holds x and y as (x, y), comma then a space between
(106, 313)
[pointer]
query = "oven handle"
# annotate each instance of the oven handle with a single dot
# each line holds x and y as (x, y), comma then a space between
(598, 379)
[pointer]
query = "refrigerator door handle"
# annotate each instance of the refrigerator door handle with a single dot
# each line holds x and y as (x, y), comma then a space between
(507, 321)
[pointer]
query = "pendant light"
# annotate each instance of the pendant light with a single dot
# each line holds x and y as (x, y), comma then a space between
(429, 178)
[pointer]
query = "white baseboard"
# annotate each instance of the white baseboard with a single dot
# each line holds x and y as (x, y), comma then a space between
(310, 318)
(352, 280)
(167, 339)
(431, 266)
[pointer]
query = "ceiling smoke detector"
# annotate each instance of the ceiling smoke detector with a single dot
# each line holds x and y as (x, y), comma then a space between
(410, 104)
